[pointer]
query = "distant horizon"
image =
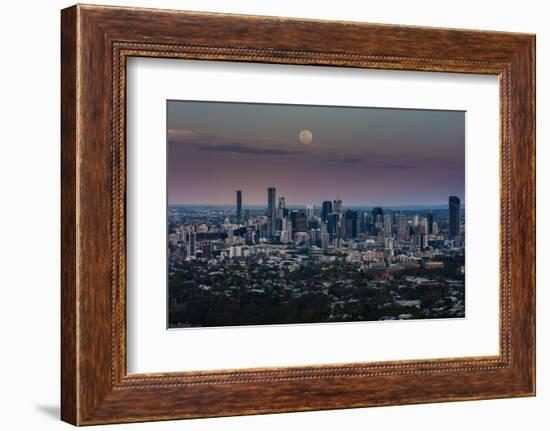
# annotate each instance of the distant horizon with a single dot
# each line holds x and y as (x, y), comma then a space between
(344, 205)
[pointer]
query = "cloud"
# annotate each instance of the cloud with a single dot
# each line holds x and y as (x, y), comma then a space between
(347, 160)
(372, 164)
(246, 149)
(208, 142)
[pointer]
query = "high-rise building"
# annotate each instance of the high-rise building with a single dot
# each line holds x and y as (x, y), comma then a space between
(361, 222)
(377, 220)
(350, 224)
(263, 228)
(192, 244)
(326, 210)
(430, 217)
(334, 225)
(314, 235)
(239, 206)
(281, 207)
(424, 225)
(324, 240)
(454, 217)
(249, 237)
(310, 212)
(301, 238)
(299, 221)
(271, 212)
(377, 211)
(206, 250)
(337, 206)
(424, 240)
(402, 226)
(235, 251)
(388, 224)
(286, 230)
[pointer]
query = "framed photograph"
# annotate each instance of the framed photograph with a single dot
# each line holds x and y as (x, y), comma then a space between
(265, 215)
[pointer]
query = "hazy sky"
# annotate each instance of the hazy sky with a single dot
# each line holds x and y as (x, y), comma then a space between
(365, 156)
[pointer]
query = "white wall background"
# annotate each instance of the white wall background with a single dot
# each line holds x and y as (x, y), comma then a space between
(29, 216)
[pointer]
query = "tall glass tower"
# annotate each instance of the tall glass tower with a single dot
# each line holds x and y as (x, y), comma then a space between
(454, 217)
(271, 212)
(326, 210)
(239, 206)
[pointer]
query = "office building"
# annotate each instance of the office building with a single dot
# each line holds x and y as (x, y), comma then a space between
(388, 224)
(454, 217)
(192, 244)
(239, 206)
(325, 238)
(271, 212)
(281, 207)
(424, 225)
(326, 210)
(299, 221)
(310, 212)
(350, 224)
(206, 250)
(430, 217)
(377, 220)
(334, 225)
(402, 226)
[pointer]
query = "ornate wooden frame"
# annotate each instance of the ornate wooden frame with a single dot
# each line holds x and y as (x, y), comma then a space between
(96, 41)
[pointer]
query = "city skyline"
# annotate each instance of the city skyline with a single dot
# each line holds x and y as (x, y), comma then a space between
(330, 263)
(364, 156)
(332, 224)
(318, 205)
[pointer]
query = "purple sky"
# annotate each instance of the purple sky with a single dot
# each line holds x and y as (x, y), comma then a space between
(365, 156)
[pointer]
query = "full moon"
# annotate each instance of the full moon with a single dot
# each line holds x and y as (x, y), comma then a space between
(305, 137)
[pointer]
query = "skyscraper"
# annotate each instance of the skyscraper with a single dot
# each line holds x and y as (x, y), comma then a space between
(377, 220)
(388, 224)
(325, 238)
(286, 230)
(310, 211)
(299, 221)
(454, 217)
(271, 212)
(430, 217)
(337, 206)
(239, 206)
(377, 211)
(423, 225)
(402, 226)
(350, 224)
(281, 207)
(326, 210)
(192, 244)
(334, 225)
